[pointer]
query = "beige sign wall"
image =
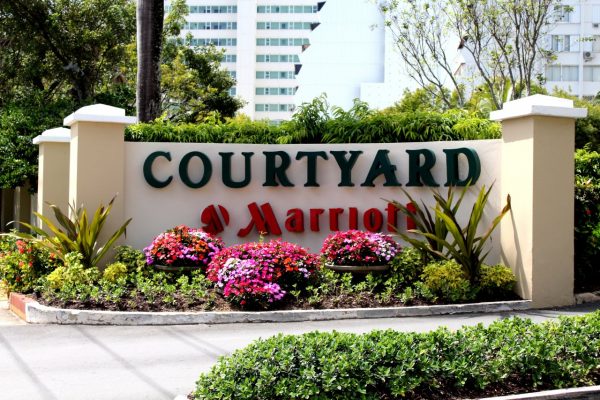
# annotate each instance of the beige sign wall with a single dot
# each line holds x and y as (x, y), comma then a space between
(154, 210)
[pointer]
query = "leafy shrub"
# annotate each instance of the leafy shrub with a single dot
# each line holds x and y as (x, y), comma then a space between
(391, 364)
(76, 234)
(356, 247)
(251, 273)
(72, 280)
(134, 259)
(587, 220)
(465, 247)
(314, 123)
(115, 271)
(448, 281)
(408, 264)
(183, 247)
(22, 263)
(497, 282)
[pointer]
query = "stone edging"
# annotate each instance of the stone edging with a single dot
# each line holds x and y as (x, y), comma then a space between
(39, 314)
(584, 393)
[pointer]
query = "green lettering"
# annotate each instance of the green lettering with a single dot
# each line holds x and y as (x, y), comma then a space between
(149, 176)
(311, 165)
(346, 165)
(275, 174)
(226, 173)
(452, 166)
(184, 170)
(419, 174)
(382, 166)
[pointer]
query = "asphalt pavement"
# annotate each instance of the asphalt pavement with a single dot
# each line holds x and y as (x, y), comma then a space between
(159, 362)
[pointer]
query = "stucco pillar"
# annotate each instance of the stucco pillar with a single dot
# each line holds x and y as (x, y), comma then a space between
(53, 171)
(97, 161)
(538, 134)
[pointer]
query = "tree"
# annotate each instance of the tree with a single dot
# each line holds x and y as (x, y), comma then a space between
(61, 47)
(501, 39)
(150, 16)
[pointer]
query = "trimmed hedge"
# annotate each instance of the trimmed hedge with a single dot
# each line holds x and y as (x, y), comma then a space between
(377, 127)
(389, 364)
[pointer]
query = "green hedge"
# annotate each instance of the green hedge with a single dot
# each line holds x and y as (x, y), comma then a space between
(377, 127)
(391, 364)
(587, 220)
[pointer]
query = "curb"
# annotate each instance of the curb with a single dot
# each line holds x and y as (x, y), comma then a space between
(18, 304)
(36, 313)
(584, 393)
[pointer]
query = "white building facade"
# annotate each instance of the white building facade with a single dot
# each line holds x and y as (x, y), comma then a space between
(575, 39)
(286, 52)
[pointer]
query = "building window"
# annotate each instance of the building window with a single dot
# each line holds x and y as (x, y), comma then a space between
(229, 58)
(275, 75)
(210, 26)
(591, 74)
(292, 58)
(233, 91)
(217, 42)
(596, 44)
(282, 41)
(564, 13)
(233, 74)
(275, 91)
(562, 73)
(274, 107)
(213, 9)
(284, 25)
(565, 43)
(287, 9)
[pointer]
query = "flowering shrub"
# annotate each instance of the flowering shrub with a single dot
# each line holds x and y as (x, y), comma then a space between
(355, 247)
(261, 273)
(22, 263)
(183, 246)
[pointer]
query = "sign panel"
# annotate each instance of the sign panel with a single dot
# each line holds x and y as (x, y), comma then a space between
(300, 193)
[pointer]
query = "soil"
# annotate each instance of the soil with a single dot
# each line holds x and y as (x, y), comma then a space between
(215, 302)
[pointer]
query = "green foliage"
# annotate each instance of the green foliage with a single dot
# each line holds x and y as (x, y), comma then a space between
(115, 271)
(22, 264)
(587, 220)
(391, 364)
(464, 245)
(497, 282)
(447, 281)
(75, 234)
(407, 265)
(314, 124)
(134, 260)
(62, 47)
(72, 280)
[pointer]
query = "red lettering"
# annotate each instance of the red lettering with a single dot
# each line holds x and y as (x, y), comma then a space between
(373, 220)
(295, 220)
(392, 217)
(265, 223)
(212, 221)
(314, 218)
(410, 222)
(334, 213)
(353, 218)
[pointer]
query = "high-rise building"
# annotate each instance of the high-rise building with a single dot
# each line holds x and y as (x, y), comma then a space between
(575, 39)
(285, 52)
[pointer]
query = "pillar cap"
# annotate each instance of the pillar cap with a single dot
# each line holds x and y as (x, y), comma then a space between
(99, 113)
(538, 104)
(56, 135)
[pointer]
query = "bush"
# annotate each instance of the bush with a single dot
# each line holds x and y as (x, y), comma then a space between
(183, 247)
(497, 282)
(72, 280)
(115, 271)
(256, 274)
(134, 259)
(448, 281)
(22, 264)
(389, 364)
(314, 124)
(587, 220)
(356, 247)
